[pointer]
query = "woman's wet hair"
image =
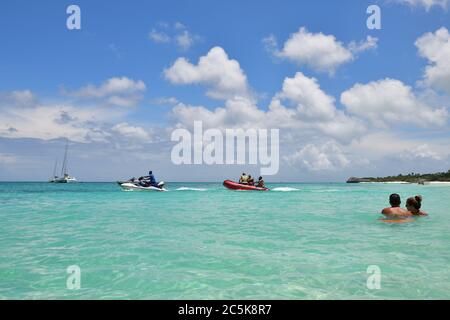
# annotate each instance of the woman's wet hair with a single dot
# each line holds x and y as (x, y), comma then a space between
(415, 202)
(394, 199)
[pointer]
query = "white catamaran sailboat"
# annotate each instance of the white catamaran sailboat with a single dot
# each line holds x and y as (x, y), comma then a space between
(65, 177)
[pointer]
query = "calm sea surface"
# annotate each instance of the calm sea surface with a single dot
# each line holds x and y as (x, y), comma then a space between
(201, 241)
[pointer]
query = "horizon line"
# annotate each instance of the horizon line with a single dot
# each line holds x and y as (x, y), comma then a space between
(114, 181)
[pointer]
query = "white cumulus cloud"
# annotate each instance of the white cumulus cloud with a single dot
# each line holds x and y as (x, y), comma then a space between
(421, 152)
(120, 91)
(79, 123)
(427, 4)
(177, 34)
(301, 108)
(48, 122)
(369, 44)
(20, 98)
(391, 102)
(319, 51)
(222, 75)
(237, 112)
(130, 131)
(327, 156)
(303, 105)
(310, 100)
(436, 48)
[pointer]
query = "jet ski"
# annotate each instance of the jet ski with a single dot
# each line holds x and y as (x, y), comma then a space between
(238, 186)
(136, 185)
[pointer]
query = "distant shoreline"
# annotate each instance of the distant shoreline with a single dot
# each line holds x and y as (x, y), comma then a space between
(427, 178)
(407, 182)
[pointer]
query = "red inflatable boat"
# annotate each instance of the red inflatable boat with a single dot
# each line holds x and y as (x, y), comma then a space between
(237, 186)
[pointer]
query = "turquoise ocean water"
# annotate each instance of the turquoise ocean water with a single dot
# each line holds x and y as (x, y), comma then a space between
(201, 241)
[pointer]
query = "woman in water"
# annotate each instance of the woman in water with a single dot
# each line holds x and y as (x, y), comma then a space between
(414, 204)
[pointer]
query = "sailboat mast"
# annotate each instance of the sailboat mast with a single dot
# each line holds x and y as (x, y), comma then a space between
(64, 166)
(54, 169)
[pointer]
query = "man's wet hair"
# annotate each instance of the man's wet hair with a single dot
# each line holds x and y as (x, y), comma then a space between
(394, 199)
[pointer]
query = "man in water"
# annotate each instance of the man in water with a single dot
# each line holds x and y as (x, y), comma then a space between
(395, 210)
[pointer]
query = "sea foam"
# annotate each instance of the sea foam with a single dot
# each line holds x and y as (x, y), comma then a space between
(285, 189)
(190, 189)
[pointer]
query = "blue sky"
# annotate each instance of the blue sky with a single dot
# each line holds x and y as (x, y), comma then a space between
(45, 67)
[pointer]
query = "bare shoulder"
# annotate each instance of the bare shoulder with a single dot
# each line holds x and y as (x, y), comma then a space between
(396, 212)
(389, 210)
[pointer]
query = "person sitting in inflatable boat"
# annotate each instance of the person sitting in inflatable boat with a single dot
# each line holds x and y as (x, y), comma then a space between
(243, 179)
(260, 183)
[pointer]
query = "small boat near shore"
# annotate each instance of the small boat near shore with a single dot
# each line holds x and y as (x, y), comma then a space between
(65, 177)
(238, 186)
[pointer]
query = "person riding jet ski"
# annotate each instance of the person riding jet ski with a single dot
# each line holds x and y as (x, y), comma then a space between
(148, 181)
